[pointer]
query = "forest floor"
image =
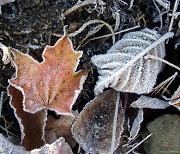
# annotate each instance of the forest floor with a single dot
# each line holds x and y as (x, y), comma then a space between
(31, 25)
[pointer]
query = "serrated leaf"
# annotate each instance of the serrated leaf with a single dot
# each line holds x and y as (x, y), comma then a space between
(31, 125)
(93, 128)
(52, 84)
(124, 66)
(175, 99)
(149, 102)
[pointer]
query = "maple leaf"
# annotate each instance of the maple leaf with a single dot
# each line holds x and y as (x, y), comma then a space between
(52, 84)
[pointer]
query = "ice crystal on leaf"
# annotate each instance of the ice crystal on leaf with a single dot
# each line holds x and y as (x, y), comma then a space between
(52, 84)
(93, 128)
(124, 66)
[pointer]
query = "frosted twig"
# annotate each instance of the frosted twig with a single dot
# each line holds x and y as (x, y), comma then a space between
(90, 33)
(167, 82)
(131, 4)
(77, 6)
(117, 16)
(162, 60)
(138, 144)
(115, 123)
(165, 4)
(160, 15)
(173, 14)
(93, 22)
(108, 35)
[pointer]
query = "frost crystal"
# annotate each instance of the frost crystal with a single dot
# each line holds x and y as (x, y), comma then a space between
(124, 67)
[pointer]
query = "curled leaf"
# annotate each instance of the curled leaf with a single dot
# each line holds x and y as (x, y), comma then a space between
(94, 126)
(52, 84)
(149, 102)
(124, 66)
(31, 125)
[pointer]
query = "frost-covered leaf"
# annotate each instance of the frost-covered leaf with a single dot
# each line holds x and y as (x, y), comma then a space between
(31, 125)
(136, 125)
(93, 128)
(52, 84)
(124, 66)
(57, 147)
(175, 99)
(6, 147)
(149, 102)
(61, 127)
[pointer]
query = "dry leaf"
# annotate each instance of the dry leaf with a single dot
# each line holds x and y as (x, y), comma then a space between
(124, 66)
(175, 99)
(58, 147)
(149, 102)
(93, 128)
(52, 84)
(136, 125)
(61, 127)
(6, 147)
(31, 125)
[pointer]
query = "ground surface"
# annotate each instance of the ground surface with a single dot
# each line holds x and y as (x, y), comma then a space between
(31, 25)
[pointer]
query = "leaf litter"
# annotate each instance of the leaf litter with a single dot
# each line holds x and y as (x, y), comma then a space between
(138, 63)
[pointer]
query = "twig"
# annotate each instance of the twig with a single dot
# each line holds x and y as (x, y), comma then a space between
(173, 14)
(77, 6)
(162, 84)
(93, 22)
(138, 144)
(162, 60)
(108, 35)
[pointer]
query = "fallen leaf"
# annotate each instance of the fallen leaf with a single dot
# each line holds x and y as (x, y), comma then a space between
(57, 147)
(52, 84)
(175, 99)
(94, 126)
(6, 147)
(61, 127)
(125, 67)
(31, 125)
(136, 125)
(149, 102)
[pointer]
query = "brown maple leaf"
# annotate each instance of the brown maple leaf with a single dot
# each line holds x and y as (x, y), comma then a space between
(52, 84)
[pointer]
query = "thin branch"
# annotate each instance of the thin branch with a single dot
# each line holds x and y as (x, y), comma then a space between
(162, 60)
(173, 14)
(77, 6)
(138, 144)
(108, 35)
(93, 22)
